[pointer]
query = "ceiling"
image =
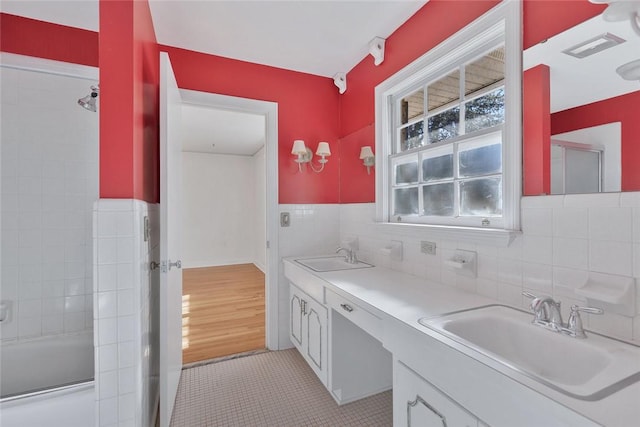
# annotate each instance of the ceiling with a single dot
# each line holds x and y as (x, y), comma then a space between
(577, 82)
(214, 131)
(316, 37)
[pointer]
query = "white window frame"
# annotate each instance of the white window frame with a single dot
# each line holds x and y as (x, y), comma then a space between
(500, 26)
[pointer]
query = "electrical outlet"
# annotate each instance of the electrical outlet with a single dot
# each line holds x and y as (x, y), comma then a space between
(285, 219)
(428, 248)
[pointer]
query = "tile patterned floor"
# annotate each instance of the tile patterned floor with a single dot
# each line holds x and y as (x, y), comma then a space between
(273, 389)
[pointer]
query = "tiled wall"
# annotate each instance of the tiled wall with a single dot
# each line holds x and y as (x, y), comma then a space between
(314, 230)
(564, 238)
(49, 184)
(126, 332)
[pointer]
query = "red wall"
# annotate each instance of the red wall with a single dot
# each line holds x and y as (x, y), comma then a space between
(432, 24)
(309, 106)
(40, 39)
(543, 19)
(307, 109)
(619, 109)
(129, 74)
(536, 108)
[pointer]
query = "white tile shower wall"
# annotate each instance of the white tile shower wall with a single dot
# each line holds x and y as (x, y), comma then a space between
(564, 237)
(313, 230)
(49, 168)
(126, 333)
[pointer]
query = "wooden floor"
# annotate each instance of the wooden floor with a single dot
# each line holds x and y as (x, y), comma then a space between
(223, 311)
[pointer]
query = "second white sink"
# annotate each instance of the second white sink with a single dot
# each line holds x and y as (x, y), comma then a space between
(588, 369)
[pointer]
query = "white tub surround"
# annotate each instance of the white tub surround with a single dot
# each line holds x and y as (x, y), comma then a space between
(49, 157)
(477, 390)
(126, 333)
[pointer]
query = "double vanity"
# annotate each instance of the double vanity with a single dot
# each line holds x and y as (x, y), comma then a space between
(452, 358)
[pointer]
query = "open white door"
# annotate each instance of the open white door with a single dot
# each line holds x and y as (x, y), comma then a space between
(170, 240)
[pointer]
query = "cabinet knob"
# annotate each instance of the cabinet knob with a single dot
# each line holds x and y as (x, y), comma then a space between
(346, 307)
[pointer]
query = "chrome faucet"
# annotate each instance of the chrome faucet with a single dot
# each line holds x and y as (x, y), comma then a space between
(546, 311)
(547, 314)
(350, 257)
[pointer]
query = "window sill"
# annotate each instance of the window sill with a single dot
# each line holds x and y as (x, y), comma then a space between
(481, 236)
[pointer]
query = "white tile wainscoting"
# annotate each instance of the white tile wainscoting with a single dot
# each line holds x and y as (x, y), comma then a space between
(126, 329)
(564, 238)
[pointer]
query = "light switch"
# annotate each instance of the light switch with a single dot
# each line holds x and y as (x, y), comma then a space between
(285, 219)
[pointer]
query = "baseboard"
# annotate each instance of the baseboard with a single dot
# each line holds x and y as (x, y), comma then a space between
(204, 264)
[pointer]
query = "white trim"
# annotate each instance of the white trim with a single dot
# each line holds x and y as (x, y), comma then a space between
(481, 236)
(41, 65)
(270, 111)
(500, 24)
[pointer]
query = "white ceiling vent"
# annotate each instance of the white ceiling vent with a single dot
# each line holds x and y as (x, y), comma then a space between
(594, 45)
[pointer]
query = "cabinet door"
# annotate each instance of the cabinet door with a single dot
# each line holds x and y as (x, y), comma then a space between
(296, 315)
(316, 337)
(417, 403)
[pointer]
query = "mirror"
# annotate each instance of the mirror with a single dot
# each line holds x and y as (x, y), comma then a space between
(581, 102)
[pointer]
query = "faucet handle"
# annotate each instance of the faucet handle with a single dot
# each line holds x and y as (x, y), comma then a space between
(574, 324)
(529, 295)
(590, 310)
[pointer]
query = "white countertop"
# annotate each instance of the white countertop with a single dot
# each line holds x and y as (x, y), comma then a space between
(407, 298)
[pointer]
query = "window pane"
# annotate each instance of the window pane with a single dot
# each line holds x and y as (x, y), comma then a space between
(407, 173)
(481, 197)
(405, 201)
(484, 71)
(444, 125)
(480, 161)
(485, 111)
(436, 168)
(444, 91)
(438, 199)
(412, 106)
(412, 136)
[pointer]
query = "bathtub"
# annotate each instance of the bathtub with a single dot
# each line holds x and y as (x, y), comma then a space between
(46, 362)
(48, 382)
(70, 406)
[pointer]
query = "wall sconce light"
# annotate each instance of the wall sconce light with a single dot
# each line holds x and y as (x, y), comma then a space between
(368, 158)
(340, 80)
(376, 49)
(630, 70)
(305, 155)
(619, 10)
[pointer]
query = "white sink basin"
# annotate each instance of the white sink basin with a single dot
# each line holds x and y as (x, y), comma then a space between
(332, 263)
(587, 369)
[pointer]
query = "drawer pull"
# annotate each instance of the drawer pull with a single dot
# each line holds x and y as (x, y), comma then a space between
(346, 307)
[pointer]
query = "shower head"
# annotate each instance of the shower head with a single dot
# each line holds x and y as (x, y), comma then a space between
(89, 102)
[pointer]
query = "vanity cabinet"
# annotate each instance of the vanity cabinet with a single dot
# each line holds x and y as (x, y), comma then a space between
(308, 330)
(457, 385)
(417, 403)
(359, 364)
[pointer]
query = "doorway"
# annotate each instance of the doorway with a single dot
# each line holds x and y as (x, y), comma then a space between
(229, 203)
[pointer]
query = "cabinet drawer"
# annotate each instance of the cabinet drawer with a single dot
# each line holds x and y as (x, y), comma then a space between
(358, 315)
